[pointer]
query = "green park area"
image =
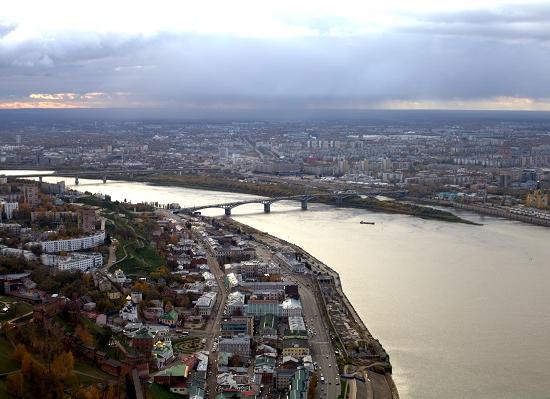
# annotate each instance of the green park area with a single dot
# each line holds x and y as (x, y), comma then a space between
(187, 345)
(11, 308)
(159, 392)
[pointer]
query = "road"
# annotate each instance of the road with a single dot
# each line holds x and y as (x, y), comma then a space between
(320, 344)
(214, 323)
(212, 328)
(321, 347)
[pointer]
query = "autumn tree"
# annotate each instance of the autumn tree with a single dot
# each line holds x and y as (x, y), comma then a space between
(62, 366)
(84, 335)
(26, 364)
(91, 392)
(14, 384)
(312, 386)
(18, 352)
(112, 392)
(235, 361)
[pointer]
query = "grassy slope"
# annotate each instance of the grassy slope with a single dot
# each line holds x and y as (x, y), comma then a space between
(7, 363)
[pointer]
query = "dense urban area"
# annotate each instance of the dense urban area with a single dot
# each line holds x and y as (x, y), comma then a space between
(495, 167)
(109, 299)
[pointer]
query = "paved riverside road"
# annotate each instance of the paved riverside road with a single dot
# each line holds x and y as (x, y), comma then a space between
(320, 345)
(312, 311)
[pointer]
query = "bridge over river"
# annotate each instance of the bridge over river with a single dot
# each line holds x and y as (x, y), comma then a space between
(104, 174)
(266, 202)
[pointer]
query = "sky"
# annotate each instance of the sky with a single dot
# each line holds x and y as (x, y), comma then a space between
(314, 55)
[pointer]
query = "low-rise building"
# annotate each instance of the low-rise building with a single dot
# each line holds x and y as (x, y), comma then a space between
(205, 303)
(237, 326)
(129, 312)
(237, 345)
(283, 378)
(291, 260)
(175, 374)
(74, 261)
(169, 318)
(296, 324)
(299, 385)
(296, 346)
(142, 340)
(162, 352)
(235, 303)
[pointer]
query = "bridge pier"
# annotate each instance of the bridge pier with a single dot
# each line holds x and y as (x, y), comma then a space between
(339, 201)
(39, 181)
(76, 180)
(104, 179)
(267, 207)
(304, 204)
(227, 211)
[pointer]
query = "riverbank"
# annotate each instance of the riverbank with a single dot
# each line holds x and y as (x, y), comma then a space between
(327, 284)
(220, 183)
(488, 210)
(418, 284)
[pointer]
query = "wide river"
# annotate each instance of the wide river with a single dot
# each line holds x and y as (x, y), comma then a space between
(463, 311)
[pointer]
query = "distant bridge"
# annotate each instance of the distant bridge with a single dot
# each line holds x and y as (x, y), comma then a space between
(104, 174)
(304, 199)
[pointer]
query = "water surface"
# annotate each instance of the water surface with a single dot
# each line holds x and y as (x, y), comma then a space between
(463, 311)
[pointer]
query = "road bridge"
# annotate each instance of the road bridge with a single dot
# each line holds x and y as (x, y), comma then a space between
(104, 174)
(266, 202)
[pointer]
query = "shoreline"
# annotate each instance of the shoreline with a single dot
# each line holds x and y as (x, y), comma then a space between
(377, 363)
(214, 183)
(489, 211)
(371, 204)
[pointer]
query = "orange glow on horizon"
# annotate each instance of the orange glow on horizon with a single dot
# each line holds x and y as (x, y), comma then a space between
(39, 104)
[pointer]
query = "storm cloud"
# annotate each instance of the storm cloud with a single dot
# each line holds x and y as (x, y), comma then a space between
(440, 57)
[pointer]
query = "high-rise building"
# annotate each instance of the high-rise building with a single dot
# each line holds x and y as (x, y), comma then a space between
(18, 139)
(30, 195)
(7, 208)
(86, 220)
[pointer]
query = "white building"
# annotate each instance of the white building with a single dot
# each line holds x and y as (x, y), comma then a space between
(137, 296)
(7, 208)
(162, 352)
(74, 261)
(289, 259)
(129, 312)
(74, 244)
(118, 277)
(205, 303)
(16, 253)
(235, 303)
(296, 323)
(291, 307)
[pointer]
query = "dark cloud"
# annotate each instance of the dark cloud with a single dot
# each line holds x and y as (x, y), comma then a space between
(187, 70)
(512, 22)
(6, 29)
(519, 13)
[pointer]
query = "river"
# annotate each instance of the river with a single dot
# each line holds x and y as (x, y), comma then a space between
(463, 311)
